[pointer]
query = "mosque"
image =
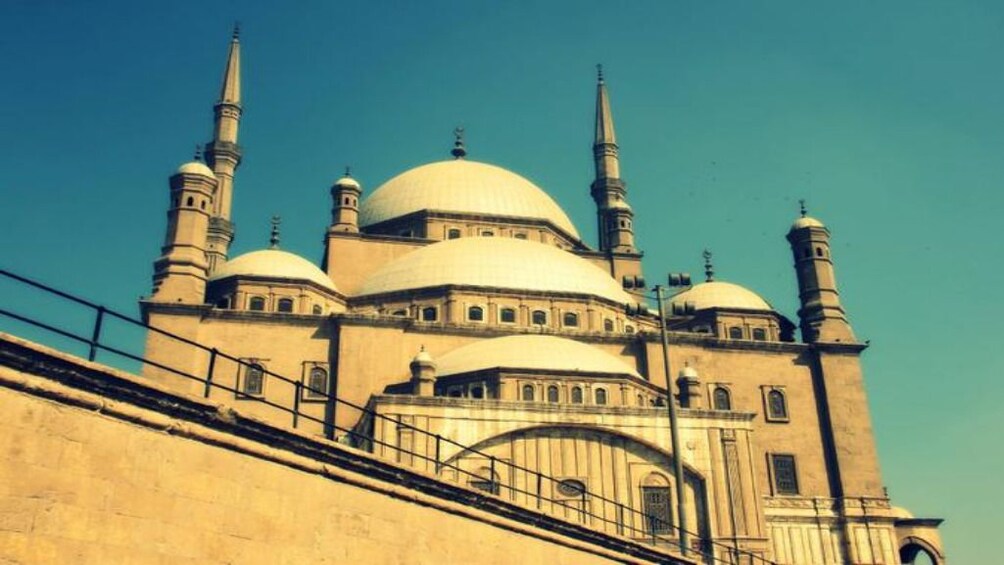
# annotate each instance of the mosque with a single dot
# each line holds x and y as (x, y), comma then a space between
(459, 299)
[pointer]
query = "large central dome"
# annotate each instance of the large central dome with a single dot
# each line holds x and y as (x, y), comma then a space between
(462, 186)
(495, 262)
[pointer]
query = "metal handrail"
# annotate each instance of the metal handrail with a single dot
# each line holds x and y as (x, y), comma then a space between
(656, 525)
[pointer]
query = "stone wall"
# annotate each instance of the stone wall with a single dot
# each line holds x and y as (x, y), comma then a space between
(97, 466)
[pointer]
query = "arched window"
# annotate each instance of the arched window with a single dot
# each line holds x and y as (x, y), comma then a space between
(528, 393)
(507, 315)
(477, 392)
(570, 320)
(488, 233)
(256, 303)
(777, 405)
(520, 235)
(807, 252)
(346, 202)
(476, 314)
(608, 325)
(819, 252)
(190, 201)
(735, 332)
(655, 503)
(721, 399)
(759, 334)
(254, 380)
(284, 305)
(538, 318)
(576, 395)
(641, 400)
(552, 393)
(202, 205)
(601, 396)
(453, 233)
(785, 476)
(401, 312)
(317, 310)
(429, 314)
(629, 329)
(223, 303)
(317, 384)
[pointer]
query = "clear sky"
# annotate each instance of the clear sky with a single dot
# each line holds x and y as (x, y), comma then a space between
(887, 117)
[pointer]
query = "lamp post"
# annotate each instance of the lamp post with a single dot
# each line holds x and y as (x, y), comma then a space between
(674, 430)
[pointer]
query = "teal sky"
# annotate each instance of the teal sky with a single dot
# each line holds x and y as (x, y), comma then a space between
(887, 117)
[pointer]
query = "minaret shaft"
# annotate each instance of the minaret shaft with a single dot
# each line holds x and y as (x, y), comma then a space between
(223, 155)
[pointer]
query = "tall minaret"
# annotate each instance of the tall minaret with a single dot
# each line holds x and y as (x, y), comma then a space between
(821, 315)
(224, 155)
(615, 220)
(180, 273)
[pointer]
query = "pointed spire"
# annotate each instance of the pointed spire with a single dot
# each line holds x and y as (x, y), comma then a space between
(709, 269)
(604, 117)
(273, 240)
(230, 91)
(459, 151)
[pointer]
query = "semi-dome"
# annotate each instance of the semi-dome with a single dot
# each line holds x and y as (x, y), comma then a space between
(495, 262)
(718, 294)
(537, 352)
(273, 263)
(195, 168)
(462, 186)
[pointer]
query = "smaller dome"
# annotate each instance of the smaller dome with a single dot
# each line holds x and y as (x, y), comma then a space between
(423, 357)
(688, 372)
(533, 352)
(718, 294)
(195, 168)
(807, 222)
(901, 513)
(273, 263)
(348, 181)
(620, 205)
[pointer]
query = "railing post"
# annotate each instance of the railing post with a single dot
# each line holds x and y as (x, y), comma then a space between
(651, 525)
(297, 386)
(540, 486)
(439, 440)
(96, 335)
(620, 518)
(495, 484)
(209, 372)
(582, 493)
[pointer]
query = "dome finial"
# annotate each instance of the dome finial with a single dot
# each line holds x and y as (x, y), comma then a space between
(801, 207)
(599, 73)
(237, 31)
(198, 152)
(348, 171)
(459, 151)
(709, 269)
(273, 240)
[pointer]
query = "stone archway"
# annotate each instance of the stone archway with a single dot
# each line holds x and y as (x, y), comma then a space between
(586, 474)
(915, 551)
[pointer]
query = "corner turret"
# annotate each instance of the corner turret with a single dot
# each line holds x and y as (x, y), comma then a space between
(822, 318)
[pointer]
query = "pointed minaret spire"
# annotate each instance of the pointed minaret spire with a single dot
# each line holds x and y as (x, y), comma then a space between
(273, 240)
(230, 90)
(709, 269)
(613, 214)
(459, 151)
(223, 155)
(605, 139)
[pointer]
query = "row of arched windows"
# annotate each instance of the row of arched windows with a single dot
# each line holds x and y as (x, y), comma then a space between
(315, 385)
(554, 394)
(508, 315)
(283, 305)
(455, 233)
(774, 398)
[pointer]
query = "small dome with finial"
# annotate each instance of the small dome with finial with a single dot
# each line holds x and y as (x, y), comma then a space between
(804, 221)
(196, 166)
(423, 357)
(688, 372)
(347, 180)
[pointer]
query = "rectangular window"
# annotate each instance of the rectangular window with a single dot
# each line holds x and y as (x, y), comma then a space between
(656, 506)
(785, 477)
